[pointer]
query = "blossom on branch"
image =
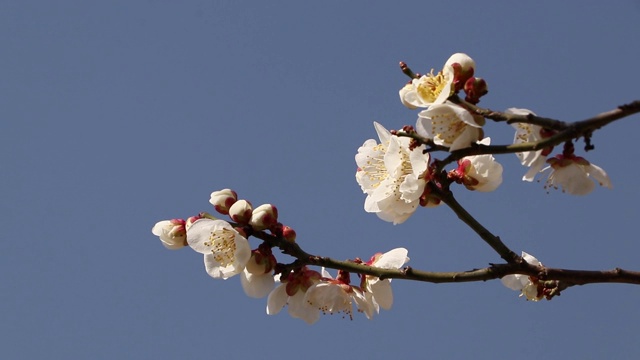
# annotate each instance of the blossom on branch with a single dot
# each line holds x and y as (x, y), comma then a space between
(572, 174)
(433, 89)
(530, 133)
(528, 286)
(478, 172)
(291, 292)
(392, 175)
(379, 290)
(257, 277)
(172, 233)
(332, 296)
(450, 125)
(226, 252)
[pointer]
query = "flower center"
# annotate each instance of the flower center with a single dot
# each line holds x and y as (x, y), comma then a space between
(223, 246)
(375, 169)
(432, 85)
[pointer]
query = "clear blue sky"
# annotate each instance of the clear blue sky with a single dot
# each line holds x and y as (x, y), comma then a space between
(115, 115)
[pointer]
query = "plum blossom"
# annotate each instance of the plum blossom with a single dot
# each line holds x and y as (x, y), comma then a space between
(379, 291)
(572, 174)
(478, 172)
(257, 277)
(172, 233)
(526, 133)
(392, 175)
(332, 296)
(528, 286)
(432, 89)
(449, 125)
(226, 252)
(291, 292)
(428, 89)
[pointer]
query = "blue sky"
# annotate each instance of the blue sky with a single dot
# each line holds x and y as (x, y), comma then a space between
(119, 114)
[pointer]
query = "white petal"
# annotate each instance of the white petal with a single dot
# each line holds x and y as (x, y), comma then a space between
(514, 282)
(299, 308)
(469, 136)
(382, 293)
(599, 175)
(531, 259)
(393, 259)
(277, 299)
(383, 133)
(256, 286)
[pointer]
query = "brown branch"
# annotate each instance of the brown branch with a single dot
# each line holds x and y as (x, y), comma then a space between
(567, 277)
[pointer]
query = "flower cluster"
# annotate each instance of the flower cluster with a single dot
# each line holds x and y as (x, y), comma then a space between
(395, 173)
(566, 171)
(399, 173)
(307, 293)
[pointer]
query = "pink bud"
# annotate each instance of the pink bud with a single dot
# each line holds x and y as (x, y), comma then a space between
(264, 217)
(288, 234)
(475, 88)
(241, 211)
(223, 199)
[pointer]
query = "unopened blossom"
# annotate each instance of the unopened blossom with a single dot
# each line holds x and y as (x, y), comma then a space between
(241, 211)
(223, 199)
(449, 125)
(226, 252)
(478, 172)
(528, 286)
(291, 292)
(574, 174)
(529, 133)
(332, 296)
(392, 175)
(257, 277)
(463, 69)
(172, 233)
(264, 217)
(380, 290)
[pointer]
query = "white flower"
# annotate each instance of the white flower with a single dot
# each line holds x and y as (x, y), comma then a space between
(479, 172)
(332, 296)
(257, 277)
(392, 175)
(571, 174)
(526, 133)
(256, 285)
(380, 290)
(291, 292)
(449, 125)
(172, 233)
(524, 283)
(226, 252)
(429, 89)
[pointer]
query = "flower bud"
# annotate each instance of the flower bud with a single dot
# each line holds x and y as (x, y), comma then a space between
(463, 69)
(475, 88)
(241, 211)
(289, 234)
(263, 217)
(172, 233)
(223, 199)
(262, 261)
